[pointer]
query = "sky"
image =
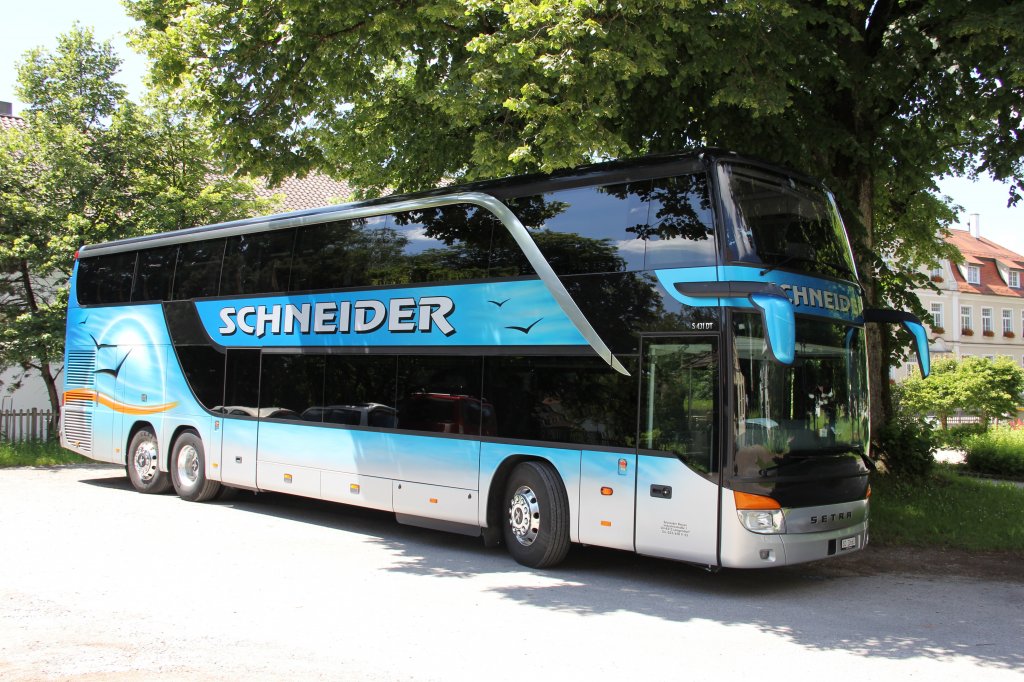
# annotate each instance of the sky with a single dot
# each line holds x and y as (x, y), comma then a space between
(38, 23)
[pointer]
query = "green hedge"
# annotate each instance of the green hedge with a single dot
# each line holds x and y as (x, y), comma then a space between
(999, 451)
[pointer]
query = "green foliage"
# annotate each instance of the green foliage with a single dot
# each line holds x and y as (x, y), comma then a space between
(91, 166)
(906, 447)
(999, 451)
(989, 389)
(947, 510)
(36, 454)
(956, 437)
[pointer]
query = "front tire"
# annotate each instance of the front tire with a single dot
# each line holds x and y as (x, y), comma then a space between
(536, 524)
(188, 469)
(143, 464)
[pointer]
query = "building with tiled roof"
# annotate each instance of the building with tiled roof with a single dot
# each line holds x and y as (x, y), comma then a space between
(979, 307)
(313, 191)
(7, 117)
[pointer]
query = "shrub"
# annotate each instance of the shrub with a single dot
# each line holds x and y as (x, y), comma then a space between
(999, 451)
(906, 447)
(956, 437)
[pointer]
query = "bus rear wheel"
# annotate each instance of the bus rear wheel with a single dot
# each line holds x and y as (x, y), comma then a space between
(143, 465)
(188, 469)
(536, 524)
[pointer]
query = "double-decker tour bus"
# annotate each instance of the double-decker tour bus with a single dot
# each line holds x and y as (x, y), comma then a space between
(665, 355)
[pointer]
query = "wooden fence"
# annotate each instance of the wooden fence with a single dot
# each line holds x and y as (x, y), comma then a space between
(25, 425)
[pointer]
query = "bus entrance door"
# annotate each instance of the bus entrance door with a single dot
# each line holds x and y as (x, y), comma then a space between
(677, 463)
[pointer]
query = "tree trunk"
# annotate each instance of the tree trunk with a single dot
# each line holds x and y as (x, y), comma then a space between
(878, 364)
(49, 379)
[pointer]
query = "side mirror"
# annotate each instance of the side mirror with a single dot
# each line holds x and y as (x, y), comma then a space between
(912, 325)
(770, 300)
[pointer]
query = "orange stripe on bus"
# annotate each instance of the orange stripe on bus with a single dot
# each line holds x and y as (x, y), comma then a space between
(89, 395)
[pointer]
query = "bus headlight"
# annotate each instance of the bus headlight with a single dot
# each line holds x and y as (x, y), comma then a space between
(762, 520)
(759, 513)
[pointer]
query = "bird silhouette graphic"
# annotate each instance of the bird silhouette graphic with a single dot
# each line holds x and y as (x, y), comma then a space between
(501, 303)
(102, 345)
(115, 371)
(525, 330)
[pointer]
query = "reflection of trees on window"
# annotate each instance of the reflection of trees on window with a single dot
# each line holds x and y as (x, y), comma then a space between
(678, 405)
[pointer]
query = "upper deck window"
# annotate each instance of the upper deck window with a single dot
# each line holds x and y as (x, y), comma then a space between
(666, 222)
(777, 221)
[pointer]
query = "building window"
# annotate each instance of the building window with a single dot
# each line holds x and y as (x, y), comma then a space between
(1015, 279)
(938, 318)
(936, 273)
(965, 318)
(973, 274)
(986, 320)
(1007, 321)
(911, 369)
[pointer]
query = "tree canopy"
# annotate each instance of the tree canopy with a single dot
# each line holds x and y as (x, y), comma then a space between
(978, 386)
(90, 166)
(876, 98)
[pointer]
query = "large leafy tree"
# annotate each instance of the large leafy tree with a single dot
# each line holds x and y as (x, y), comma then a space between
(90, 166)
(877, 98)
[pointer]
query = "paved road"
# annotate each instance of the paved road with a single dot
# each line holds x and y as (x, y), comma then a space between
(100, 583)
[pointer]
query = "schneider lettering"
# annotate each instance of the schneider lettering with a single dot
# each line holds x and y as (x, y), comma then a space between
(817, 298)
(400, 315)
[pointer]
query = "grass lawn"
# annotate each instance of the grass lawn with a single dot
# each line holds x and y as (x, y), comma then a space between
(36, 454)
(947, 510)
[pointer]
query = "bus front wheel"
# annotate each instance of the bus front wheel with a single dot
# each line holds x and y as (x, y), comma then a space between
(143, 464)
(188, 469)
(536, 524)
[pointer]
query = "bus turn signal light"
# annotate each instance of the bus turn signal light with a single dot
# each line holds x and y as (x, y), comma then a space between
(751, 501)
(606, 491)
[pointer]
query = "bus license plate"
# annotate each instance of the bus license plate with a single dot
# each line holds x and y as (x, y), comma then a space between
(848, 543)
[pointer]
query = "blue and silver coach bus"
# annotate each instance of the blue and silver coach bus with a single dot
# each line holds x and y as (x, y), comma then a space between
(664, 355)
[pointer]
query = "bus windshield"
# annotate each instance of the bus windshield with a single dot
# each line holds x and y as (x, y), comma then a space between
(778, 222)
(818, 405)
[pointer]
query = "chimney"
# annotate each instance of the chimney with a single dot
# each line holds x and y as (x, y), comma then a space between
(974, 225)
(6, 109)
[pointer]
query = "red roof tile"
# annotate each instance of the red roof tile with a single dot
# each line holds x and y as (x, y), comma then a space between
(313, 191)
(11, 122)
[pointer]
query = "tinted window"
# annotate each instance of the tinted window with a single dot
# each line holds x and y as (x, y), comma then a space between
(336, 255)
(586, 229)
(105, 279)
(292, 387)
(242, 382)
(440, 244)
(439, 394)
(155, 274)
(197, 271)
(680, 230)
(257, 263)
(203, 367)
(568, 400)
(360, 390)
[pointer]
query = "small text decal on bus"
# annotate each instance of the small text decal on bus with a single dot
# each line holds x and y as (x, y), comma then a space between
(402, 315)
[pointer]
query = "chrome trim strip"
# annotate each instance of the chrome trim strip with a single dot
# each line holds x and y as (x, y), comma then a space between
(342, 212)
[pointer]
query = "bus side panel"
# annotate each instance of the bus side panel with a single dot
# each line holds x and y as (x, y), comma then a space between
(106, 421)
(607, 499)
(566, 463)
(451, 462)
(369, 453)
(676, 511)
(238, 452)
